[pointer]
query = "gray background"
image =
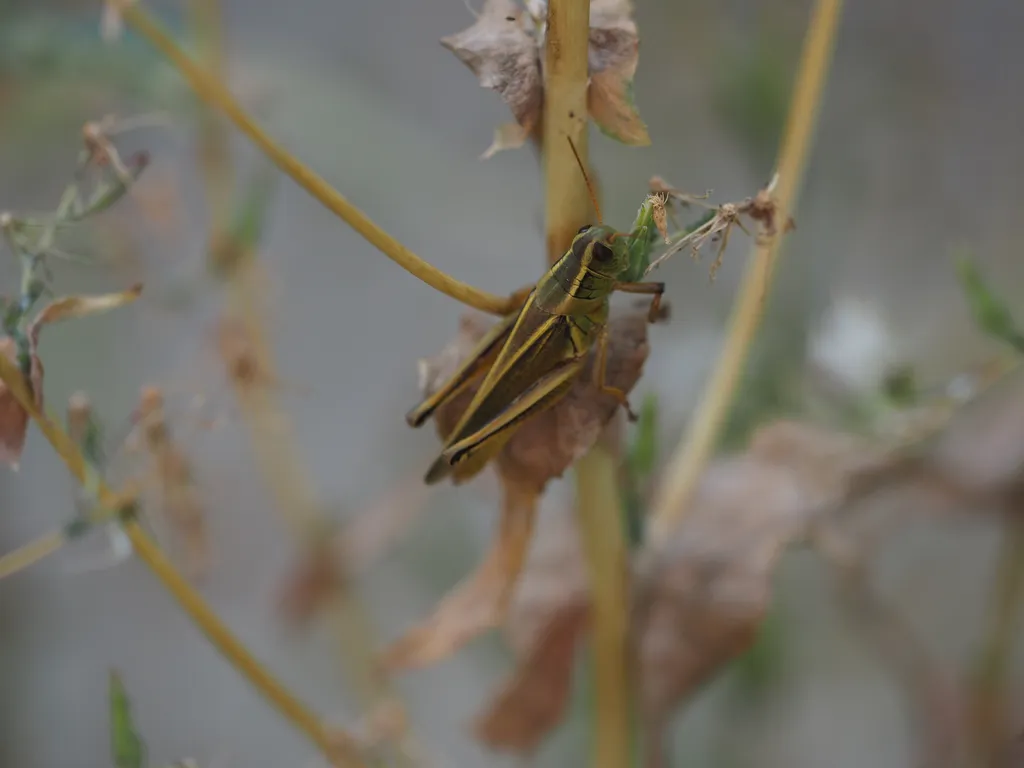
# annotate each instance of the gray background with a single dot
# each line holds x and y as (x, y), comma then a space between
(918, 151)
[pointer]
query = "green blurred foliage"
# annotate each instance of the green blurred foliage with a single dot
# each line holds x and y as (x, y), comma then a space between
(751, 94)
(990, 312)
(54, 70)
(127, 749)
(641, 459)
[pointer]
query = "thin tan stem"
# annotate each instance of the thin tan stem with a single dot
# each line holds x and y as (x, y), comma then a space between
(604, 544)
(334, 744)
(206, 26)
(213, 92)
(599, 515)
(685, 465)
(990, 716)
(31, 553)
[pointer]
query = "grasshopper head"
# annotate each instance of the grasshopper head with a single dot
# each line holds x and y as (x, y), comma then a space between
(602, 249)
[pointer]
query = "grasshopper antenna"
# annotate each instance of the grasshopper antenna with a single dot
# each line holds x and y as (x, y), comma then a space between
(586, 179)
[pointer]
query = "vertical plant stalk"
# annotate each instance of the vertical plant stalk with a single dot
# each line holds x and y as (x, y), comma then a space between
(31, 553)
(598, 512)
(334, 744)
(216, 95)
(565, 118)
(689, 458)
(214, 146)
(989, 710)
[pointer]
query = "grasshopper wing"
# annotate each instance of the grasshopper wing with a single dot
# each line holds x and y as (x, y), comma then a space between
(475, 365)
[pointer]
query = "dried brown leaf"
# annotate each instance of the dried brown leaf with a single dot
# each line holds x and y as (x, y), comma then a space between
(479, 602)
(179, 496)
(501, 50)
(81, 306)
(614, 50)
(311, 582)
(699, 599)
(660, 215)
(534, 700)
(506, 136)
(13, 417)
(547, 616)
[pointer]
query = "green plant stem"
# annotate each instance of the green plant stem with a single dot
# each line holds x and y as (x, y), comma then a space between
(598, 498)
(334, 743)
(217, 96)
(684, 468)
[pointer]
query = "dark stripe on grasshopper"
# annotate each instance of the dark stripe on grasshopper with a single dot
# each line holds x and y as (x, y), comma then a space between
(472, 367)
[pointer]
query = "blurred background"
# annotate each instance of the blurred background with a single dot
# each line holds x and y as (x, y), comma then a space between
(918, 154)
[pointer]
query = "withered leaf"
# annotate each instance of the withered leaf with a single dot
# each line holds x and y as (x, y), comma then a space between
(69, 307)
(312, 581)
(501, 50)
(547, 616)
(180, 497)
(13, 417)
(699, 599)
(479, 602)
(614, 50)
(533, 702)
(506, 136)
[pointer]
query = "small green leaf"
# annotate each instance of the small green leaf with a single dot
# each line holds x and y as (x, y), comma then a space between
(126, 746)
(640, 462)
(990, 313)
(643, 452)
(248, 225)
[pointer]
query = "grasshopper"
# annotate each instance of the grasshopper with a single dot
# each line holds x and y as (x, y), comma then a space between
(530, 359)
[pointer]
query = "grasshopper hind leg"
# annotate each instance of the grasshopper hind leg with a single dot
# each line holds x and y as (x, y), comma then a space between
(471, 452)
(601, 368)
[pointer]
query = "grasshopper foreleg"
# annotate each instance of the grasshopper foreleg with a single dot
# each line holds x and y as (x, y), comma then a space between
(647, 288)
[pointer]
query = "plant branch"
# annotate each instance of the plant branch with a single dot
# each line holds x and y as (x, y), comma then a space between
(206, 26)
(216, 95)
(31, 553)
(598, 512)
(685, 465)
(334, 744)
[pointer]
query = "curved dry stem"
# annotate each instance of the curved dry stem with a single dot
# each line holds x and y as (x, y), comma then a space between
(334, 744)
(31, 553)
(210, 90)
(685, 465)
(567, 207)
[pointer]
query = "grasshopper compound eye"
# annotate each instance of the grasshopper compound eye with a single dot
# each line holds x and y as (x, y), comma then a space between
(602, 253)
(583, 229)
